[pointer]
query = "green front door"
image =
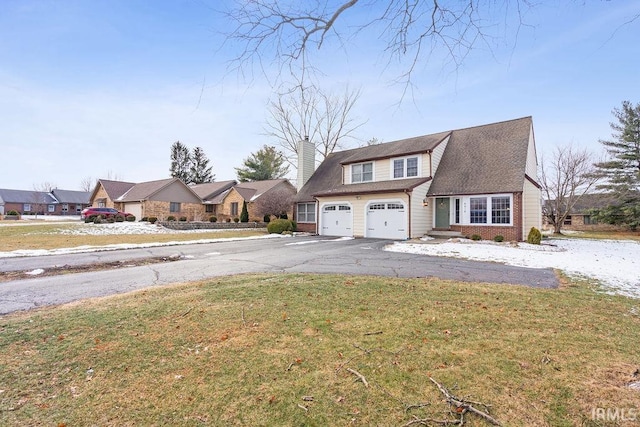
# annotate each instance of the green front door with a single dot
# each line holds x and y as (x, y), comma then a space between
(442, 212)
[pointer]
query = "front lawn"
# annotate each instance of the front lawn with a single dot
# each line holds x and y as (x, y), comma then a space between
(287, 350)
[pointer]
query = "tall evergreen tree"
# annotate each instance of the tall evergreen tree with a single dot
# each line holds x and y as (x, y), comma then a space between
(180, 162)
(200, 171)
(244, 215)
(621, 171)
(267, 163)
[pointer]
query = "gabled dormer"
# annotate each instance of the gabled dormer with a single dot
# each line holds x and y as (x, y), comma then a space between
(405, 159)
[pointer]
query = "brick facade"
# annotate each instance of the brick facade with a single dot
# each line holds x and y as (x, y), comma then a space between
(160, 210)
(488, 232)
(306, 227)
(102, 195)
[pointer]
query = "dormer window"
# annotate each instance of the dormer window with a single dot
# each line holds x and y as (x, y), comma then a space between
(405, 168)
(362, 172)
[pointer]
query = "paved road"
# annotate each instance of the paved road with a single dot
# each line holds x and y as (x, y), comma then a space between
(200, 261)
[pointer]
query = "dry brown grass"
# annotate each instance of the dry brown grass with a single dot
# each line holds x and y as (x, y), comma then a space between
(245, 350)
(50, 236)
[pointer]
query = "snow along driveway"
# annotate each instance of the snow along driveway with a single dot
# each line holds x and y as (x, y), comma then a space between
(614, 263)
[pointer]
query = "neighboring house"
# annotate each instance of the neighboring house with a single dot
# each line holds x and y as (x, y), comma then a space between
(56, 202)
(480, 180)
(71, 202)
(161, 199)
(212, 194)
(106, 192)
(27, 202)
(172, 197)
(581, 217)
(269, 197)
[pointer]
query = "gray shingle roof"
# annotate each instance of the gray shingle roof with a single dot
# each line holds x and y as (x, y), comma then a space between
(70, 196)
(252, 189)
(26, 196)
(403, 147)
(482, 159)
(210, 190)
(115, 189)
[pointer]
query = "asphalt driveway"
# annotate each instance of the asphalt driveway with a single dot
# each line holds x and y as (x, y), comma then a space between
(301, 254)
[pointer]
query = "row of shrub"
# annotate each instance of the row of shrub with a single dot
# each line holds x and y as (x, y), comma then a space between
(99, 219)
(534, 237)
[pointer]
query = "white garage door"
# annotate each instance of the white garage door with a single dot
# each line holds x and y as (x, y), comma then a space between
(387, 221)
(134, 209)
(337, 220)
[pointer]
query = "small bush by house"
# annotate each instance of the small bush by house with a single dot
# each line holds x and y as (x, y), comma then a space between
(534, 237)
(213, 219)
(279, 226)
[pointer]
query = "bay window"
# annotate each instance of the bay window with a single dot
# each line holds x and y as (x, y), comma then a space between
(491, 210)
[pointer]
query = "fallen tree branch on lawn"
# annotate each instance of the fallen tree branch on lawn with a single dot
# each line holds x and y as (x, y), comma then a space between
(429, 421)
(462, 406)
(359, 375)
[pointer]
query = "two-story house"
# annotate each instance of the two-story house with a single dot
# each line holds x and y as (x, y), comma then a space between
(480, 180)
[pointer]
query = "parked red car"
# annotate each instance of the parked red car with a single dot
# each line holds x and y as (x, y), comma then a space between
(105, 212)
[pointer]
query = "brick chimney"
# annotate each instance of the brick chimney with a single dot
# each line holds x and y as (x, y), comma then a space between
(306, 161)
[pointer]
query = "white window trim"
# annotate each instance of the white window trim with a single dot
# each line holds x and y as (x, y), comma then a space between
(306, 221)
(373, 172)
(465, 212)
(404, 166)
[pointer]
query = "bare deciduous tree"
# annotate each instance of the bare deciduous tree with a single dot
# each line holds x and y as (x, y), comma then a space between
(278, 202)
(87, 183)
(308, 112)
(565, 179)
(39, 197)
(287, 32)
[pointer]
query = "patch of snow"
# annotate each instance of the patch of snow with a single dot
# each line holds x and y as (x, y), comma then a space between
(302, 243)
(35, 272)
(614, 263)
(91, 229)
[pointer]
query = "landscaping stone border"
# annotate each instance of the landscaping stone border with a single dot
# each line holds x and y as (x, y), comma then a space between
(183, 225)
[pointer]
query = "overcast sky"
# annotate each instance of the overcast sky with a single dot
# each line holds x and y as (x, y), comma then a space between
(102, 88)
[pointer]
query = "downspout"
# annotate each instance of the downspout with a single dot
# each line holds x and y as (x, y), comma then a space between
(317, 215)
(408, 193)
